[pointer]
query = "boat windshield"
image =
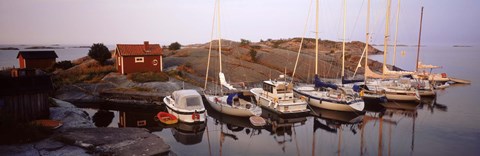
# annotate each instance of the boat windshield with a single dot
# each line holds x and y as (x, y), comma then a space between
(193, 101)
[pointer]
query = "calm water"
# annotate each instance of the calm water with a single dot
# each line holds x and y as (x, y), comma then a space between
(449, 126)
(8, 58)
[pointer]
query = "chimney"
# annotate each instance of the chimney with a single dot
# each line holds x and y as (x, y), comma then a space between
(146, 46)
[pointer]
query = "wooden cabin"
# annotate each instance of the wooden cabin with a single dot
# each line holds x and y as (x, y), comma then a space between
(132, 58)
(25, 97)
(36, 59)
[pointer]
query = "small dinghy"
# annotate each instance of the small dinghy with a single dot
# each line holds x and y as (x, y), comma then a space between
(257, 121)
(50, 124)
(167, 118)
(442, 86)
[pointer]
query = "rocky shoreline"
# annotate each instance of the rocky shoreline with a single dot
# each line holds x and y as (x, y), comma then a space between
(79, 136)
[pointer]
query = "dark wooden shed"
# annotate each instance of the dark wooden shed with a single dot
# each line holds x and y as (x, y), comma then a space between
(25, 98)
(36, 59)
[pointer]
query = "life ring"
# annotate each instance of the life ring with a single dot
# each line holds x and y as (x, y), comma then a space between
(195, 116)
(155, 62)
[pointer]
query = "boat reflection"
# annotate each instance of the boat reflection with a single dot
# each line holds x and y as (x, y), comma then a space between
(281, 127)
(394, 113)
(335, 122)
(432, 105)
(189, 133)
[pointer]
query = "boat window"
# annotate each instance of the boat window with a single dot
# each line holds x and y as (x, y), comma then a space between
(267, 88)
(193, 101)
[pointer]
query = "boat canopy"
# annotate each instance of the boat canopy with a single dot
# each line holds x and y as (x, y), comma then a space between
(187, 99)
(319, 83)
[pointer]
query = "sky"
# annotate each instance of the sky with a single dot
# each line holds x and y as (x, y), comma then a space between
(446, 22)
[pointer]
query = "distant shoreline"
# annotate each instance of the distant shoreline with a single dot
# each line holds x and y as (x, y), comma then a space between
(460, 46)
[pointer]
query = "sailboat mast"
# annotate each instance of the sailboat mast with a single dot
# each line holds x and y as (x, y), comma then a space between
(385, 40)
(367, 41)
(396, 34)
(219, 37)
(210, 46)
(344, 29)
(316, 39)
(219, 45)
(419, 37)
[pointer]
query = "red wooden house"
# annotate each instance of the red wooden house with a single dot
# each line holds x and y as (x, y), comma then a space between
(132, 58)
(36, 59)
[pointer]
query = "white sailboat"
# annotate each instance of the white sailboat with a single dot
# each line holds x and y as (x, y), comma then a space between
(395, 89)
(231, 104)
(186, 105)
(329, 96)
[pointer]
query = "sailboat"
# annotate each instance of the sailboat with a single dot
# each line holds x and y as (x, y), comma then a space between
(330, 96)
(233, 103)
(396, 88)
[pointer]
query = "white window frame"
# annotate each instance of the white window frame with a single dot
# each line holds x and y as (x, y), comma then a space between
(139, 59)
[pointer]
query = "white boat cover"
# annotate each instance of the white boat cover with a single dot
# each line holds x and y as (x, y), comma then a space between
(187, 99)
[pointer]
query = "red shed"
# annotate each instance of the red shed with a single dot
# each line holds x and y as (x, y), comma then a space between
(36, 59)
(131, 58)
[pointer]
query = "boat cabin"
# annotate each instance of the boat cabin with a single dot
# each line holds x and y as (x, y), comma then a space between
(187, 99)
(278, 89)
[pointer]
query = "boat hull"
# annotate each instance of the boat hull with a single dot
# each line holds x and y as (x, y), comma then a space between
(401, 96)
(228, 109)
(184, 115)
(331, 104)
(285, 107)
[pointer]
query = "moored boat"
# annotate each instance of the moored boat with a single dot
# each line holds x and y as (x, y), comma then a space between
(167, 118)
(277, 96)
(186, 105)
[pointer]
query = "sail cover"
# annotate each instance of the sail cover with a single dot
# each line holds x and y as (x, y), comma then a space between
(223, 82)
(230, 98)
(427, 66)
(319, 83)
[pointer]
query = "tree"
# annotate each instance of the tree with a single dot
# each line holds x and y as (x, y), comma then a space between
(174, 46)
(99, 52)
(244, 42)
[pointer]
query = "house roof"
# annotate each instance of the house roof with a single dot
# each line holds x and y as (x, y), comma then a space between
(37, 54)
(138, 49)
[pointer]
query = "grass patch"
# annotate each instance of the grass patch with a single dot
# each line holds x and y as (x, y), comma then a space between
(148, 77)
(91, 72)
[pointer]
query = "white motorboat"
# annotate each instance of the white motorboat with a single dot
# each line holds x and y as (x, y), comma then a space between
(186, 105)
(277, 96)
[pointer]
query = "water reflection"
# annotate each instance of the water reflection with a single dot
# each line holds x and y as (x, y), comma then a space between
(142, 119)
(189, 133)
(382, 130)
(103, 118)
